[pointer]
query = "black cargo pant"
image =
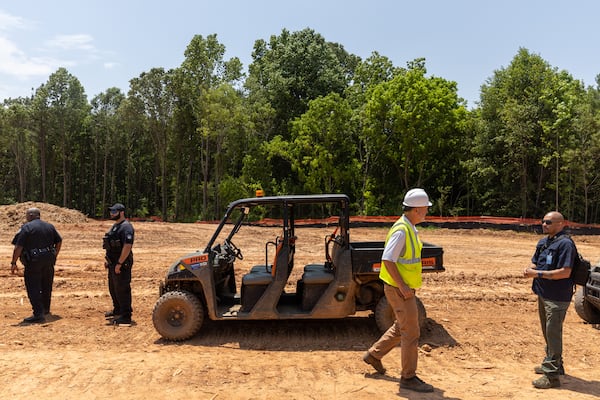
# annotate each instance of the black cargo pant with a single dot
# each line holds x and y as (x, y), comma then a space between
(119, 286)
(39, 277)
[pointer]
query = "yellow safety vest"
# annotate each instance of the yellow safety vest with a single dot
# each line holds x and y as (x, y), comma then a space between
(409, 264)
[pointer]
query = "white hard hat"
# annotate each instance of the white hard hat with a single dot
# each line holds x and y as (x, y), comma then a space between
(416, 198)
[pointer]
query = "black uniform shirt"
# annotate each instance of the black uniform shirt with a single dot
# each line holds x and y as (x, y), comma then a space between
(124, 233)
(36, 235)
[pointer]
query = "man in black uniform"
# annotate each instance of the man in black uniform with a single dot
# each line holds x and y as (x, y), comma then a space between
(37, 244)
(118, 242)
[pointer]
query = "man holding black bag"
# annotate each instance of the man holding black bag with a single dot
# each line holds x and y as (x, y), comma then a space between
(37, 244)
(118, 242)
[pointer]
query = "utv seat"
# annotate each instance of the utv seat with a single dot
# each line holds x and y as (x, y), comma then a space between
(317, 277)
(323, 268)
(257, 280)
(315, 280)
(268, 268)
(328, 266)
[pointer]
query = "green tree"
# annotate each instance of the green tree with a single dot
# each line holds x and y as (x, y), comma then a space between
(411, 124)
(152, 96)
(374, 70)
(294, 68)
(67, 107)
(369, 73)
(580, 160)
(323, 150)
(527, 110)
(108, 140)
(41, 117)
(136, 175)
(224, 126)
(286, 73)
(17, 137)
(202, 70)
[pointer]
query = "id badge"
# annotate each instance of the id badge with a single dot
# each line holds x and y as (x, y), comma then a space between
(549, 259)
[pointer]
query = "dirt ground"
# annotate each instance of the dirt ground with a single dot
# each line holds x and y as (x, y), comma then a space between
(481, 339)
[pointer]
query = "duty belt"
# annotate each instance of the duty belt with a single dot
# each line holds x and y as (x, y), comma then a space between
(41, 251)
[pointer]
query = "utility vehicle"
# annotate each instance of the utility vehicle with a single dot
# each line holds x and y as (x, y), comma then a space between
(587, 298)
(341, 279)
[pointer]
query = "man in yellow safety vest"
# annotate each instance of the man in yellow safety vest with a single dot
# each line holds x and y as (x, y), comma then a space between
(401, 275)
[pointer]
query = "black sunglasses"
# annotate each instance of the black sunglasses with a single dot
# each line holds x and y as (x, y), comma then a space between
(547, 221)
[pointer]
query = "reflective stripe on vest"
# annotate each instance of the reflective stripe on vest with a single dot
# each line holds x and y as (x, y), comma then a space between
(409, 264)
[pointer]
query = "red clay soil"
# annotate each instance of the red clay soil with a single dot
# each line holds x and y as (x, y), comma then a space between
(481, 339)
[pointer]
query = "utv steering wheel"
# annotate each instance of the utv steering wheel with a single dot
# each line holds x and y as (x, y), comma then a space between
(233, 250)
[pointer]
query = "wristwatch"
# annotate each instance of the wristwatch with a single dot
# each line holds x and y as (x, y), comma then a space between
(540, 275)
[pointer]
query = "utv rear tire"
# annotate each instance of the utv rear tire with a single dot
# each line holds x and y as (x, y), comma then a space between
(178, 315)
(384, 315)
(584, 308)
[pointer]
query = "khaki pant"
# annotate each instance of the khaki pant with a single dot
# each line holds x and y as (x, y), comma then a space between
(404, 331)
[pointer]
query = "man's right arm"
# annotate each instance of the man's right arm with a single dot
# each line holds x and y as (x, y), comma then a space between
(395, 274)
(16, 254)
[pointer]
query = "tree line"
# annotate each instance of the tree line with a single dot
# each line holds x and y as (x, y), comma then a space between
(307, 117)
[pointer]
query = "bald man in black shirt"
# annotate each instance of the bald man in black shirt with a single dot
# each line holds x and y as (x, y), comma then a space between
(37, 244)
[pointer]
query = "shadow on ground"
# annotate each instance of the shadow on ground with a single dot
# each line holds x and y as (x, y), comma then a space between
(354, 333)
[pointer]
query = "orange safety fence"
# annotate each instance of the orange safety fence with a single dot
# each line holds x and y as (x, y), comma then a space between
(468, 222)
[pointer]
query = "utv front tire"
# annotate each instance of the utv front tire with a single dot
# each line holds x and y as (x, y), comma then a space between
(178, 315)
(584, 308)
(384, 315)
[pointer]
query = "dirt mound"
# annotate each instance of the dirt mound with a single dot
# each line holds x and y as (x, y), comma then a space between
(13, 215)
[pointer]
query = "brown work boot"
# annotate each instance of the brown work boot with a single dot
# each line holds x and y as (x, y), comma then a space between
(415, 384)
(546, 382)
(375, 363)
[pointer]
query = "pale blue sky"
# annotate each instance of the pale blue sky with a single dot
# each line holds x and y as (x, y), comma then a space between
(107, 43)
